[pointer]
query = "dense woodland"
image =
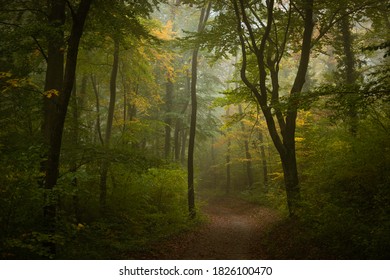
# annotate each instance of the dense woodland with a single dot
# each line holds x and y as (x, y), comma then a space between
(119, 118)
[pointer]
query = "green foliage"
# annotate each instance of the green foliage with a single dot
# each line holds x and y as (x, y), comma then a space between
(31, 245)
(143, 208)
(234, 96)
(347, 195)
(345, 186)
(383, 46)
(20, 149)
(20, 199)
(344, 179)
(344, 101)
(121, 18)
(273, 195)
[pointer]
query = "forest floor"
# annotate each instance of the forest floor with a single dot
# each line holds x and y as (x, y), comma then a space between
(234, 230)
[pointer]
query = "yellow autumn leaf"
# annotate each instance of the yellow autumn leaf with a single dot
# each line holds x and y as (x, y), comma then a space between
(13, 83)
(5, 75)
(165, 33)
(50, 93)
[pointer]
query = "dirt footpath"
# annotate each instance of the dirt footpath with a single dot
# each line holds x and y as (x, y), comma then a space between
(233, 232)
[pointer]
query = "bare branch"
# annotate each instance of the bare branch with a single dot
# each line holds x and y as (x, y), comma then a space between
(40, 48)
(10, 24)
(334, 19)
(283, 47)
(72, 11)
(96, 91)
(298, 10)
(22, 10)
(244, 78)
(248, 25)
(33, 37)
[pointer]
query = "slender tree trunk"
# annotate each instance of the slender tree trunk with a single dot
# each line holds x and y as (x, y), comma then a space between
(97, 98)
(111, 107)
(78, 104)
(350, 74)
(349, 60)
(213, 169)
(183, 127)
(228, 168)
(107, 137)
(191, 143)
(75, 143)
(168, 118)
(248, 164)
(83, 94)
(263, 159)
(179, 128)
(183, 146)
(194, 105)
(132, 108)
(176, 137)
(227, 158)
(248, 156)
(125, 104)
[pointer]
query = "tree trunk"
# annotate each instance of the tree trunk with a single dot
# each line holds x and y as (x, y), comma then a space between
(107, 137)
(53, 87)
(168, 118)
(191, 142)
(179, 127)
(78, 104)
(176, 137)
(284, 137)
(290, 172)
(213, 164)
(194, 105)
(227, 158)
(126, 105)
(184, 136)
(350, 74)
(263, 159)
(75, 142)
(228, 168)
(97, 98)
(55, 107)
(349, 59)
(248, 156)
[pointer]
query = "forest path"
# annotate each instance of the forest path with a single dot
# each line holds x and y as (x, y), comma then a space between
(234, 231)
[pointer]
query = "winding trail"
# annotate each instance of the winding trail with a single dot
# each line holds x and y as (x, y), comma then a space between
(234, 231)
